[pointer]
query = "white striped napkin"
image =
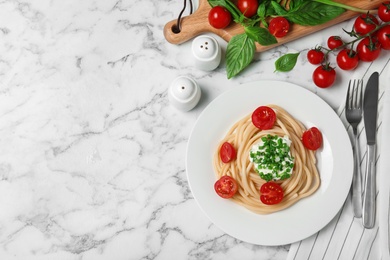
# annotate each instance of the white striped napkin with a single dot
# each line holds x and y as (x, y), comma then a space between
(384, 177)
(345, 237)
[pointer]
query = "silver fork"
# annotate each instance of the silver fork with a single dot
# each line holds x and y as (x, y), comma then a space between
(353, 114)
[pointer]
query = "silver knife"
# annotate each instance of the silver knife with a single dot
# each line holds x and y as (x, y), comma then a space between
(370, 109)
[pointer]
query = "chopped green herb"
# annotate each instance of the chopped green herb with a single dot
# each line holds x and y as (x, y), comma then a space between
(272, 158)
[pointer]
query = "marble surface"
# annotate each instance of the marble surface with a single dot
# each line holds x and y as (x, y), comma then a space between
(92, 164)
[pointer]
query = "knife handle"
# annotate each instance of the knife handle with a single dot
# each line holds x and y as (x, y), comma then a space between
(370, 190)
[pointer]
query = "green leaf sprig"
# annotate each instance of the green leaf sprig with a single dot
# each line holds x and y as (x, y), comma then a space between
(286, 62)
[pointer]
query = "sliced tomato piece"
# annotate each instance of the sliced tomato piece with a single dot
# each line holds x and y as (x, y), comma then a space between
(226, 187)
(312, 138)
(271, 193)
(227, 152)
(264, 117)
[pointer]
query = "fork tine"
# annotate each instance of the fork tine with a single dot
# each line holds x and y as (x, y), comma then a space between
(361, 94)
(347, 102)
(355, 94)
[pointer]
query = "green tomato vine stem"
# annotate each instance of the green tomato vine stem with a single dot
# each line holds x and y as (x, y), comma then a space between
(348, 7)
(358, 38)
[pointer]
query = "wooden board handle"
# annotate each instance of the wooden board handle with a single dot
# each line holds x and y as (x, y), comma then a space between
(197, 23)
(190, 26)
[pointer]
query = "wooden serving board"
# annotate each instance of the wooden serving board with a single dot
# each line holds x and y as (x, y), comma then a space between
(197, 23)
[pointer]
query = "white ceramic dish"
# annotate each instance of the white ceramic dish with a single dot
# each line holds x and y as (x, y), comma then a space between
(335, 164)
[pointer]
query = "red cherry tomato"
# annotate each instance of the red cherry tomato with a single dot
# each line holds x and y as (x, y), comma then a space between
(312, 138)
(368, 49)
(315, 56)
(324, 76)
(347, 59)
(248, 7)
(383, 36)
(263, 117)
(219, 17)
(227, 152)
(365, 23)
(279, 26)
(384, 11)
(271, 193)
(334, 42)
(226, 187)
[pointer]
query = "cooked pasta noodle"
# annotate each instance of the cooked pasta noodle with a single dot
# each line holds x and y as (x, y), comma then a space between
(304, 180)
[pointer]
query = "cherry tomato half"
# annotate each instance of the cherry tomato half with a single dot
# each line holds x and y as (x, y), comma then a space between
(263, 117)
(368, 49)
(347, 59)
(226, 187)
(227, 152)
(383, 36)
(315, 56)
(248, 7)
(312, 138)
(365, 23)
(334, 42)
(279, 26)
(271, 193)
(324, 76)
(219, 17)
(384, 11)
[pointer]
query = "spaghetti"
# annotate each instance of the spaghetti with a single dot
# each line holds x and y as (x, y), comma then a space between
(304, 180)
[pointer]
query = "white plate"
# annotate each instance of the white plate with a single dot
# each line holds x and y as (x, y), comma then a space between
(335, 164)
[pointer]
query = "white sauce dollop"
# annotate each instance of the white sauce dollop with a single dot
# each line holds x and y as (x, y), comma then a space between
(271, 158)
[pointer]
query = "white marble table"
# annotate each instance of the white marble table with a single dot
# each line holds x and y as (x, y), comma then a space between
(92, 159)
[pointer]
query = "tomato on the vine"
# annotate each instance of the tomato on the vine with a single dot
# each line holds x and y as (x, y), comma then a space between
(279, 26)
(365, 23)
(248, 7)
(384, 11)
(334, 42)
(368, 49)
(226, 187)
(227, 152)
(324, 76)
(312, 138)
(219, 17)
(271, 193)
(347, 59)
(264, 117)
(383, 36)
(315, 56)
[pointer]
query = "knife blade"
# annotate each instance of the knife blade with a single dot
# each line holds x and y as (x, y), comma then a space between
(370, 110)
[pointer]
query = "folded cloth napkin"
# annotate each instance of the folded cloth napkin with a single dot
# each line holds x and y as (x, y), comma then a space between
(384, 177)
(345, 237)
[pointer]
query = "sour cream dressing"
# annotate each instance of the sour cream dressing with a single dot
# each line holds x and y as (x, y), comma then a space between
(271, 157)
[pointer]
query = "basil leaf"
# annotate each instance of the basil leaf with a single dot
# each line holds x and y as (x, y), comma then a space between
(264, 11)
(239, 54)
(269, 10)
(295, 3)
(279, 9)
(310, 13)
(286, 62)
(260, 35)
(261, 10)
